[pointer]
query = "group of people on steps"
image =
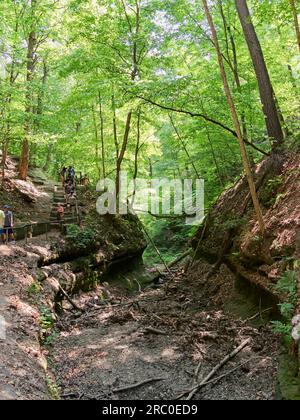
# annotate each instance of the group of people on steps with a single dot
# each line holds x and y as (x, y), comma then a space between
(69, 182)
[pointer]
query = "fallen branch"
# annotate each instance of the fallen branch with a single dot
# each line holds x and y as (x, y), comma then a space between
(180, 258)
(213, 381)
(216, 368)
(172, 264)
(147, 381)
(71, 301)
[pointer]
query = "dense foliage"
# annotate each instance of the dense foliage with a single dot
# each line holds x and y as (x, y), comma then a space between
(101, 70)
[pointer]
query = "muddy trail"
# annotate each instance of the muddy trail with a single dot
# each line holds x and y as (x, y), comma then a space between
(158, 343)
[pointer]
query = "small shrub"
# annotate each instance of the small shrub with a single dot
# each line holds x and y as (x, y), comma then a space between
(46, 318)
(34, 288)
(81, 238)
(287, 285)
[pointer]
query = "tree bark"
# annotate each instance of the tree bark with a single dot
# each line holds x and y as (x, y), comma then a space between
(96, 142)
(13, 75)
(102, 135)
(136, 60)
(116, 141)
(122, 152)
(264, 82)
(296, 22)
(235, 120)
(136, 156)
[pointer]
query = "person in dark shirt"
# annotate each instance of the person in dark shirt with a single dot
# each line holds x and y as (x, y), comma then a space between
(8, 231)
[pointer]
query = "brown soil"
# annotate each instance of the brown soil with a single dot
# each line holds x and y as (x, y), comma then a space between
(108, 347)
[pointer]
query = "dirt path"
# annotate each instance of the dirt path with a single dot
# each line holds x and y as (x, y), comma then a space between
(109, 347)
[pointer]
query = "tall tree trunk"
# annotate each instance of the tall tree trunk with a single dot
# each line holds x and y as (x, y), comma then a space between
(122, 152)
(24, 161)
(41, 93)
(136, 156)
(12, 78)
(296, 22)
(136, 59)
(96, 142)
(264, 82)
(235, 120)
(102, 135)
(116, 141)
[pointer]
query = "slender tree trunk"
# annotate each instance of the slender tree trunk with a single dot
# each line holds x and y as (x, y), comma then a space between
(296, 22)
(150, 168)
(12, 78)
(264, 82)
(136, 155)
(38, 112)
(41, 94)
(184, 146)
(24, 161)
(116, 141)
(238, 81)
(122, 152)
(136, 58)
(235, 120)
(96, 142)
(102, 135)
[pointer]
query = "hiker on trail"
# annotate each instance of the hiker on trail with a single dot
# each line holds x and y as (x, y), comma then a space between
(71, 174)
(60, 212)
(63, 175)
(72, 203)
(69, 190)
(8, 232)
(2, 218)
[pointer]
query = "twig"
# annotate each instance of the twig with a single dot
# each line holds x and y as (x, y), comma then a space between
(216, 368)
(154, 331)
(70, 395)
(147, 381)
(69, 299)
(256, 315)
(214, 380)
(198, 371)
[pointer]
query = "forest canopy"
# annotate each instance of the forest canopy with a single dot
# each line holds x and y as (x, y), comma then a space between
(105, 85)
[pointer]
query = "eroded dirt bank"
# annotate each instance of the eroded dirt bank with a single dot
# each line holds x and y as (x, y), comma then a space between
(31, 278)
